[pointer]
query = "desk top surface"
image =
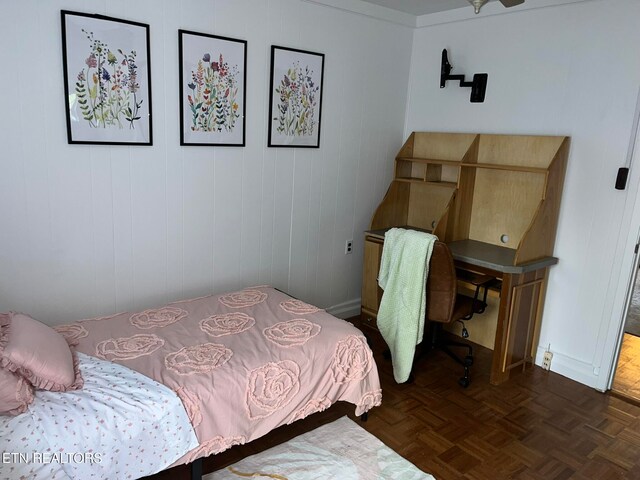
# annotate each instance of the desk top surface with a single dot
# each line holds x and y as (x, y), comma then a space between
(483, 254)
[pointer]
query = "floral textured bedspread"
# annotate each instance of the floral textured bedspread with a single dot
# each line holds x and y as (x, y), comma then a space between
(243, 363)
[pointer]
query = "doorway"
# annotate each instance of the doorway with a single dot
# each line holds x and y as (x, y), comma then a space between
(626, 382)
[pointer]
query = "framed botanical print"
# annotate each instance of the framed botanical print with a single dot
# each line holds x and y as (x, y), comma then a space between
(213, 72)
(295, 98)
(107, 80)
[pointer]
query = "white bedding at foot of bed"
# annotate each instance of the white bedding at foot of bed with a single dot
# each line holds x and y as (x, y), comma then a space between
(120, 425)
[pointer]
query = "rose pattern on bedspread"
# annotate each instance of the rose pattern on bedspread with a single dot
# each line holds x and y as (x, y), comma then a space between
(72, 332)
(191, 404)
(243, 298)
(215, 445)
(198, 358)
(127, 348)
(160, 317)
(368, 401)
(226, 324)
(298, 307)
(292, 332)
(352, 359)
(312, 406)
(271, 387)
(244, 363)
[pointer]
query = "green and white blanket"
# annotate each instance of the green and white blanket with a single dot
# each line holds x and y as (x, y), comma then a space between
(403, 277)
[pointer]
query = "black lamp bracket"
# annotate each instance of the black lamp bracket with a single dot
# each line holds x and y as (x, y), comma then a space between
(478, 85)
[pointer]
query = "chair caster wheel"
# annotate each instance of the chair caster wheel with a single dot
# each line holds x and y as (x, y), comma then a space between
(468, 360)
(464, 382)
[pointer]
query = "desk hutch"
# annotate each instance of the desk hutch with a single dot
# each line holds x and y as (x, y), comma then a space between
(494, 199)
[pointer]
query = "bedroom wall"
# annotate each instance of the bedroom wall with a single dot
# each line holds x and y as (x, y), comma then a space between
(556, 70)
(90, 230)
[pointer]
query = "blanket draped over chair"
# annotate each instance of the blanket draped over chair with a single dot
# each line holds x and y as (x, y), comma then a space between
(404, 269)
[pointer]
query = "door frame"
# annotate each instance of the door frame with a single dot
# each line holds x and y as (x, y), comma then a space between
(626, 264)
(635, 277)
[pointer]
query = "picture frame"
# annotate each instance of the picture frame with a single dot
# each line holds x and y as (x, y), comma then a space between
(107, 80)
(213, 77)
(295, 98)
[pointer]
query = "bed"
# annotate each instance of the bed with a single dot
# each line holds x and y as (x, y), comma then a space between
(240, 364)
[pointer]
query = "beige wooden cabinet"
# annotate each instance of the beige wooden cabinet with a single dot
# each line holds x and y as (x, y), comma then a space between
(494, 199)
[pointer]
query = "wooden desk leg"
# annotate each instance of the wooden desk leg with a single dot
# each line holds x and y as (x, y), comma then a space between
(519, 314)
(536, 329)
(499, 376)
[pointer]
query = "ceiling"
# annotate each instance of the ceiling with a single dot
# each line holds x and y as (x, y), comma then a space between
(422, 7)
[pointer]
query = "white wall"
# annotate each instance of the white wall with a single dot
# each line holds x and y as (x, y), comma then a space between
(89, 230)
(568, 69)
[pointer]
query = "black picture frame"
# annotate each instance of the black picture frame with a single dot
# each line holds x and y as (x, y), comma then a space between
(213, 79)
(295, 98)
(107, 80)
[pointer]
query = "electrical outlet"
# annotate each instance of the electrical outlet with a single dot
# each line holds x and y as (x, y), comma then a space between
(348, 247)
(546, 360)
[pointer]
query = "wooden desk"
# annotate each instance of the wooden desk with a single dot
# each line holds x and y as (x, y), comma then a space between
(494, 199)
(521, 296)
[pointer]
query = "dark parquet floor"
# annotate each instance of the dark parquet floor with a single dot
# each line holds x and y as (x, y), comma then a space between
(538, 425)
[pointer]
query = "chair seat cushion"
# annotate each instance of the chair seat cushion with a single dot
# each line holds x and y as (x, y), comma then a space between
(463, 307)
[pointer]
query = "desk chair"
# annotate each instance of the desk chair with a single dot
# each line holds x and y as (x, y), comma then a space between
(446, 305)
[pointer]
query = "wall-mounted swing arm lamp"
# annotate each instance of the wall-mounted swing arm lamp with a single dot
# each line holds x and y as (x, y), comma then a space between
(478, 85)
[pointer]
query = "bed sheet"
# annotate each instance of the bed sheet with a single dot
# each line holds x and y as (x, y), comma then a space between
(121, 424)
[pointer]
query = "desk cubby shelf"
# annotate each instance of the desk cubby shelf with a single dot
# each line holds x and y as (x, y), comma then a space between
(458, 183)
(422, 180)
(512, 168)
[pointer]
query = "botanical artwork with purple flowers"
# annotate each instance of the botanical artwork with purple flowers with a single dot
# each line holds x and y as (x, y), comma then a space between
(212, 77)
(297, 101)
(107, 87)
(296, 98)
(107, 79)
(214, 89)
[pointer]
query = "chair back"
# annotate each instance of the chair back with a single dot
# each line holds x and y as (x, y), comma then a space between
(441, 285)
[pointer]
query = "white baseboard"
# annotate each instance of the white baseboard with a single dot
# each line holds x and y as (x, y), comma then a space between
(570, 367)
(346, 309)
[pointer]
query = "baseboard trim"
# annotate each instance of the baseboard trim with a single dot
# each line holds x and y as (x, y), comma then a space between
(570, 367)
(347, 309)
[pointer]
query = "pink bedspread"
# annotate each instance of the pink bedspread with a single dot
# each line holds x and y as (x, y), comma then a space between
(243, 363)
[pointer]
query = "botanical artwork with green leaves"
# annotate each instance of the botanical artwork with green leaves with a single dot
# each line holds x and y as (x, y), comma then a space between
(107, 86)
(212, 89)
(295, 97)
(213, 98)
(107, 79)
(298, 99)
